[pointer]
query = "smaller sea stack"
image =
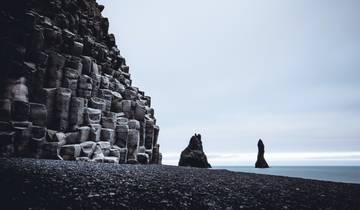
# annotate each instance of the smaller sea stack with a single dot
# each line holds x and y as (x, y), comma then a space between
(193, 155)
(261, 162)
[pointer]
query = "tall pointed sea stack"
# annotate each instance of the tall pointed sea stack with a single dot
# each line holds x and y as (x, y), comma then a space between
(193, 155)
(261, 162)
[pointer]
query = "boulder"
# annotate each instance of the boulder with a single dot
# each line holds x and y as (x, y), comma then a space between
(261, 162)
(193, 155)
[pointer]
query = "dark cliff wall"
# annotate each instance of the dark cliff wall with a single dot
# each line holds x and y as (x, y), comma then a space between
(65, 88)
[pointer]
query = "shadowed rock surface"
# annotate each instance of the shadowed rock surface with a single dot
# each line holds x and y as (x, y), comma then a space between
(54, 184)
(65, 89)
(193, 155)
(261, 162)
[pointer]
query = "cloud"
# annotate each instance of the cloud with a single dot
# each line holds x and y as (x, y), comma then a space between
(236, 71)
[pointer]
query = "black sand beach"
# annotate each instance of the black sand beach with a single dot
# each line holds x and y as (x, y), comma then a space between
(51, 184)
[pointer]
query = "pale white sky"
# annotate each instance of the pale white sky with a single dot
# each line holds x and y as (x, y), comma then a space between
(239, 70)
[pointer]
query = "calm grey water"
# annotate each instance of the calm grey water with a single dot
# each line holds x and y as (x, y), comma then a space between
(349, 174)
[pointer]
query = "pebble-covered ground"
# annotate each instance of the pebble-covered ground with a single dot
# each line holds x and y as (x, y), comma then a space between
(51, 184)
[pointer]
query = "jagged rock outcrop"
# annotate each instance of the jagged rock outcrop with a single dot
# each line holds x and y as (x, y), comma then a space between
(193, 155)
(65, 89)
(261, 162)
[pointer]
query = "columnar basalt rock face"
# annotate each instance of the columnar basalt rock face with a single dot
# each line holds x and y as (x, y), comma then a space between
(65, 89)
(193, 155)
(261, 162)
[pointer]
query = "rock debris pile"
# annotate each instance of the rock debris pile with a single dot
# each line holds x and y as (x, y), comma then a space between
(66, 90)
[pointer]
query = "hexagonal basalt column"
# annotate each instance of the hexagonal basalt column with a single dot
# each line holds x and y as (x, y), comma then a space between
(132, 144)
(62, 107)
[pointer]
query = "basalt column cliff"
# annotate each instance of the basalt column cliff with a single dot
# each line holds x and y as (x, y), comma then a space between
(66, 91)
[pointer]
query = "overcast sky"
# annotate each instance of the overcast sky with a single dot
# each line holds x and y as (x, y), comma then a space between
(239, 70)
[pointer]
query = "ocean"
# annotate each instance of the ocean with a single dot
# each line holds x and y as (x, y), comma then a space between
(348, 174)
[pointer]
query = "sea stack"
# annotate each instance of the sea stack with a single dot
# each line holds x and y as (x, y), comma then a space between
(193, 155)
(261, 162)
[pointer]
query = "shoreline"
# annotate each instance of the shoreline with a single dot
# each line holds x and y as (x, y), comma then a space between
(53, 184)
(335, 174)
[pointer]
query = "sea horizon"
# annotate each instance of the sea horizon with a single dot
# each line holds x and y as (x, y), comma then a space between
(334, 173)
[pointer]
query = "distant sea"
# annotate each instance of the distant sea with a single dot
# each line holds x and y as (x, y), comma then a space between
(348, 174)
